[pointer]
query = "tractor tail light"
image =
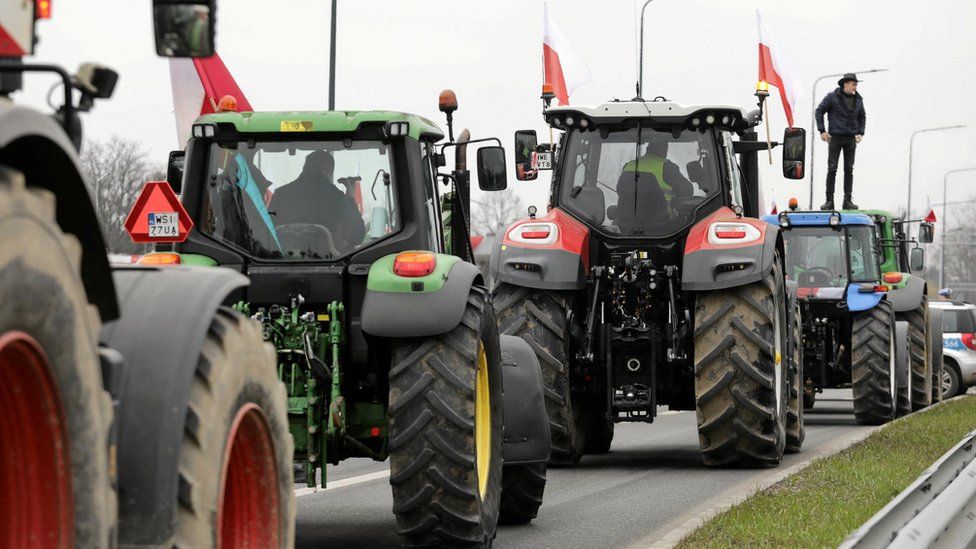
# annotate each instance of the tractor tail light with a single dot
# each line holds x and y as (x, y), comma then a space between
(535, 232)
(160, 258)
(969, 340)
(414, 264)
(892, 278)
(730, 233)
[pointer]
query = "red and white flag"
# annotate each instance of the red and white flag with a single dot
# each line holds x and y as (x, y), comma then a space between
(564, 69)
(776, 68)
(198, 86)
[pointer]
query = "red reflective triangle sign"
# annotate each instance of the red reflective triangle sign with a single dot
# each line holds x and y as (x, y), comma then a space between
(158, 216)
(931, 217)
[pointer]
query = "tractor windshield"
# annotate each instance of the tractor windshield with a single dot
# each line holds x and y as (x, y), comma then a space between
(640, 182)
(819, 257)
(294, 201)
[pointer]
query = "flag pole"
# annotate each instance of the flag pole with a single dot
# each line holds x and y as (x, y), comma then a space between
(762, 92)
(769, 142)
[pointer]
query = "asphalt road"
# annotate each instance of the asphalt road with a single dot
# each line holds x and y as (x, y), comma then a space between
(652, 477)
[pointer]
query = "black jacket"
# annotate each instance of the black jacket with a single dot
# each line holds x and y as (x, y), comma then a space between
(843, 121)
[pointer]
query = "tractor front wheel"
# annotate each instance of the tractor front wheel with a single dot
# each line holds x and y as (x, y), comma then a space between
(873, 365)
(741, 384)
(446, 432)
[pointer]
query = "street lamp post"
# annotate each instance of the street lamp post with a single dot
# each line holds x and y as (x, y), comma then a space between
(332, 58)
(640, 60)
(911, 148)
(945, 221)
(813, 119)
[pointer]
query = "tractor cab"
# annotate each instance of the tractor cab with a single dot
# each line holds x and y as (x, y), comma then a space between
(832, 256)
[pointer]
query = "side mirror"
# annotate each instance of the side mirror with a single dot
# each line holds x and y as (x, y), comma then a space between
(491, 169)
(926, 233)
(916, 260)
(794, 153)
(185, 28)
(174, 170)
(526, 142)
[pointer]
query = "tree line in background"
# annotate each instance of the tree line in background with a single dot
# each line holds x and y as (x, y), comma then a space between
(115, 171)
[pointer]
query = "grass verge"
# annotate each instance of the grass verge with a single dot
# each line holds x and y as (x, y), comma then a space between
(822, 504)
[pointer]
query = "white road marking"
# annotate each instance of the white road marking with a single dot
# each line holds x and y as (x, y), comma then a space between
(335, 485)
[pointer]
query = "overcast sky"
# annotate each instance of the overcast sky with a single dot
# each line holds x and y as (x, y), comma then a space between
(399, 55)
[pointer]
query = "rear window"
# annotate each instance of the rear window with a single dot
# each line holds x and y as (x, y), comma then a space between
(956, 321)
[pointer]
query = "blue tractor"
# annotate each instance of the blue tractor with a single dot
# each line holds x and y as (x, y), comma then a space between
(850, 335)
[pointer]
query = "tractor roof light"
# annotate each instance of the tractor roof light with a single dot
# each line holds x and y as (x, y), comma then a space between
(710, 119)
(834, 220)
(447, 101)
(784, 220)
(228, 103)
(397, 129)
(695, 122)
(414, 264)
(794, 204)
(43, 9)
(204, 130)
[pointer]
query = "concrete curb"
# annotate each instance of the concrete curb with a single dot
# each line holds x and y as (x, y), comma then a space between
(672, 533)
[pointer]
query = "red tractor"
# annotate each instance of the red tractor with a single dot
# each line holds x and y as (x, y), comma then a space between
(651, 282)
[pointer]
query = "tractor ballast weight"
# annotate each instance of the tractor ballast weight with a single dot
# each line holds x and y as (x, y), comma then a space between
(159, 368)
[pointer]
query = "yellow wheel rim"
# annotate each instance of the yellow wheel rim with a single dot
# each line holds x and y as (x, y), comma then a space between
(482, 421)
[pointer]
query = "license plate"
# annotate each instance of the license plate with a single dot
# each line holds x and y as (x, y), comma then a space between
(164, 225)
(542, 161)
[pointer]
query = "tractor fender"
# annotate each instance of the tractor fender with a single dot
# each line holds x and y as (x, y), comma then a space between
(526, 433)
(710, 266)
(35, 145)
(396, 306)
(857, 301)
(165, 315)
(558, 262)
(909, 296)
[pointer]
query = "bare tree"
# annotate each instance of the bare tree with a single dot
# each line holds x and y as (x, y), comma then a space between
(959, 247)
(495, 211)
(116, 170)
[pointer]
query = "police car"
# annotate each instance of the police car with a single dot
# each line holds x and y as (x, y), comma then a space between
(959, 346)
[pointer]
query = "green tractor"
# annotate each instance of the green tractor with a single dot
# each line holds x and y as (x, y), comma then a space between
(385, 334)
(902, 265)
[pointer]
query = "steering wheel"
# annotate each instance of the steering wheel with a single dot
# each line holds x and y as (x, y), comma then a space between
(816, 276)
(307, 240)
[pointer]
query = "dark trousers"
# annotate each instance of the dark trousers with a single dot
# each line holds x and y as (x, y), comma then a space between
(839, 143)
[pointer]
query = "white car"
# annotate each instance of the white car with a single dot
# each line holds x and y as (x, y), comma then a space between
(959, 346)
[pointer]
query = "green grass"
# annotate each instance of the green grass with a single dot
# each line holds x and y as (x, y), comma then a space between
(822, 504)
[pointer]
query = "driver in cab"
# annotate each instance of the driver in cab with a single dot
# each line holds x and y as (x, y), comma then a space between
(647, 186)
(313, 199)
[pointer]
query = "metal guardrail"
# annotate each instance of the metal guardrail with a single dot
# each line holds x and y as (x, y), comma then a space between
(937, 510)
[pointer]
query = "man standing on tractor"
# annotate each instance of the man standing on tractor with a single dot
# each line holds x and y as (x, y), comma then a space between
(845, 111)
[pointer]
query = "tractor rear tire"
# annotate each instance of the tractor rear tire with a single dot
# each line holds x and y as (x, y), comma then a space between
(599, 431)
(742, 391)
(55, 466)
(872, 365)
(446, 431)
(235, 465)
(522, 489)
(541, 318)
(795, 430)
(920, 353)
(938, 359)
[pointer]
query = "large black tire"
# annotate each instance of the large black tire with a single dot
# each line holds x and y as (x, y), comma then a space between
(795, 430)
(42, 298)
(742, 389)
(938, 362)
(599, 431)
(872, 365)
(903, 400)
(920, 354)
(236, 475)
(522, 489)
(439, 497)
(541, 318)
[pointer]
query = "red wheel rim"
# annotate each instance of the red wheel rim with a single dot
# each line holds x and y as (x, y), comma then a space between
(36, 504)
(248, 514)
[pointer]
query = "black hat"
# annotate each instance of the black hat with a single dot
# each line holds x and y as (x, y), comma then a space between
(846, 77)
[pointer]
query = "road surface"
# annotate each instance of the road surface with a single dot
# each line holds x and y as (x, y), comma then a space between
(652, 477)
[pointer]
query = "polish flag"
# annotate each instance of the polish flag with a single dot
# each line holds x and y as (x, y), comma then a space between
(198, 85)
(563, 67)
(776, 68)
